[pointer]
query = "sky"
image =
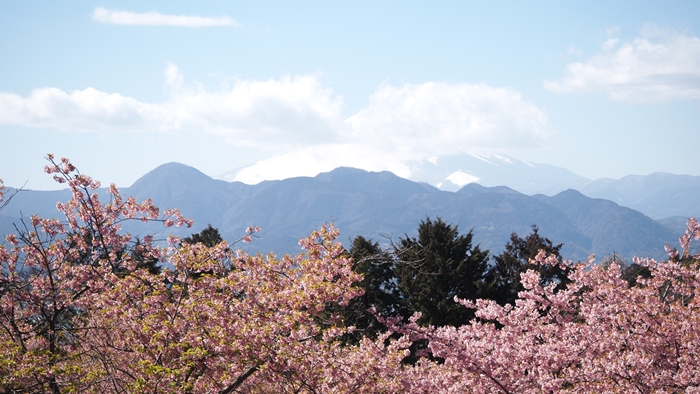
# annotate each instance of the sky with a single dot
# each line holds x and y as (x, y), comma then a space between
(275, 90)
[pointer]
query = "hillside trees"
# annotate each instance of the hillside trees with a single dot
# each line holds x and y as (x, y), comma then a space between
(598, 334)
(572, 327)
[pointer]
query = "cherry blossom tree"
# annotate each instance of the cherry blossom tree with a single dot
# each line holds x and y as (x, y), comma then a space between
(46, 297)
(597, 335)
(3, 199)
(80, 312)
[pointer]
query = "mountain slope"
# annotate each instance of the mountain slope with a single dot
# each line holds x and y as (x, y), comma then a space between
(611, 227)
(659, 195)
(381, 206)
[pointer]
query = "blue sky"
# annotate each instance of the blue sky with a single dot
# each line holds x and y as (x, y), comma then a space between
(603, 89)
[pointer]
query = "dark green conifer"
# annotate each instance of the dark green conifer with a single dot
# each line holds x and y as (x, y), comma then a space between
(504, 274)
(209, 237)
(379, 285)
(437, 266)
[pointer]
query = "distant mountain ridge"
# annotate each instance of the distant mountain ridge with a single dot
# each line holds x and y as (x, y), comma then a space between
(658, 195)
(450, 173)
(377, 205)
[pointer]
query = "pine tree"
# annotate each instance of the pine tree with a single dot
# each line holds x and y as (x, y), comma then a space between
(504, 274)
(379, 285)
(436, 267)
(209, 237)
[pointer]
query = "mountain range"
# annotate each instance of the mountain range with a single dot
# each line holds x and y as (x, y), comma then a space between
(385, 207)
(658, 195)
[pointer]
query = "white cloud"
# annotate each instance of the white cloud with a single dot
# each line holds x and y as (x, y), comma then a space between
(406, 125)
(574, 51)
(610, 43)
(301, 123)
(81, 110)
(313, 160)
(153, 18)
(436, 119)
(286, 112)
(660, 65)
(290, 111)
(173, 78)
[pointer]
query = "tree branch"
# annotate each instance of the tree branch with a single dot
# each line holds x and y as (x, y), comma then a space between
(245, 375)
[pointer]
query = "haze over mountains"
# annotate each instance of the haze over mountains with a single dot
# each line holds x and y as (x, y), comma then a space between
(383, 206)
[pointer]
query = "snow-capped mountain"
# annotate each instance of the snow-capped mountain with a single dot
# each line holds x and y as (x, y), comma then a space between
(451, 173)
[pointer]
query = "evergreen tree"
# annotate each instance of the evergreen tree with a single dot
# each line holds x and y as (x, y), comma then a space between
(93, 253)
(628, 272)
(144, 258)
(379, 285)
(209, 237)
(434, 268)
(504, 274)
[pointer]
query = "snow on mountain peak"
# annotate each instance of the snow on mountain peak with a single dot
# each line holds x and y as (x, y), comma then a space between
(461, 178)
